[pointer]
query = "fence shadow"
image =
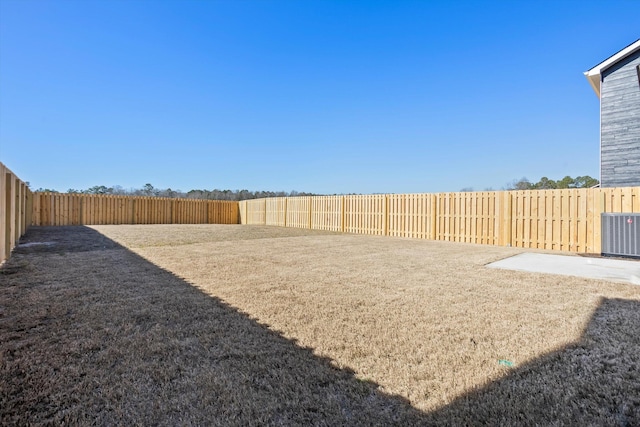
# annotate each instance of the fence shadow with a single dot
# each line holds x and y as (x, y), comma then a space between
(91, 332)
(595, 381)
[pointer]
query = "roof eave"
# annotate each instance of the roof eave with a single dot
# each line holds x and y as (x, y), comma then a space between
(594, 81)
(594, 75)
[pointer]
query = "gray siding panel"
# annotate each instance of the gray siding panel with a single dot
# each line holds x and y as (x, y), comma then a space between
(620, 124)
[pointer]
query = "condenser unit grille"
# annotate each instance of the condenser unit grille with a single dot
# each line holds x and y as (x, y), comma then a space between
(621, 234)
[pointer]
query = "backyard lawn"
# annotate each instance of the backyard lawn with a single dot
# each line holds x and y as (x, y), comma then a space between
(255, 325)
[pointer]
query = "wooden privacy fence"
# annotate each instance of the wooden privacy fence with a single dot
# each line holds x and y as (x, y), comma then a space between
(90, 209)
(15, 210)
(564, 220)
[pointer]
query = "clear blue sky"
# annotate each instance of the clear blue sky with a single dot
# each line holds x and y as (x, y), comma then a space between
(318, 96)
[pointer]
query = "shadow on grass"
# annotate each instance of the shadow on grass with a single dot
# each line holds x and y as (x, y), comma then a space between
(595, 381)
(91, 333)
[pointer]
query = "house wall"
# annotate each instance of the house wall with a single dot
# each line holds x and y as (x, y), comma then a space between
(620, 124)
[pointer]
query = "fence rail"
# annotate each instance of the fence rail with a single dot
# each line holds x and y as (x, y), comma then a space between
(15, 210)
(563, 220)
(89, 209)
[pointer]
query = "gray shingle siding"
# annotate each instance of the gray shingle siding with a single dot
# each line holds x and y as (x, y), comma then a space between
(620, 124)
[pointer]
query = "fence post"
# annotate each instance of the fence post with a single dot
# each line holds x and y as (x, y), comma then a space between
(8, 234)
(18, 205)
(342, 214)
(434, 217)
(29, 209)
(601, 207)
(286, 204)
(505, 224)
(81, 203)
(24, 199)
(44, 209)
(386, 215)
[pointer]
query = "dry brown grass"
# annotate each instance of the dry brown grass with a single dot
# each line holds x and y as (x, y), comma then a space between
(210, 325)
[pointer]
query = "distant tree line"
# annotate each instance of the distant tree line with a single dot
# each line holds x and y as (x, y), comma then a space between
(549, 184)
(151, 191)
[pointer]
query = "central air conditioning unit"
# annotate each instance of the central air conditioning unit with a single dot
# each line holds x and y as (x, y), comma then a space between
(621, 234)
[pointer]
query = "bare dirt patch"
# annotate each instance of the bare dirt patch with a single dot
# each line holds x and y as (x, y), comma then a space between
(251, 325)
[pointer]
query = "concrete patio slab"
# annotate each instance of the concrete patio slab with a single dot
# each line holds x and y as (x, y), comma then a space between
(615, 270)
